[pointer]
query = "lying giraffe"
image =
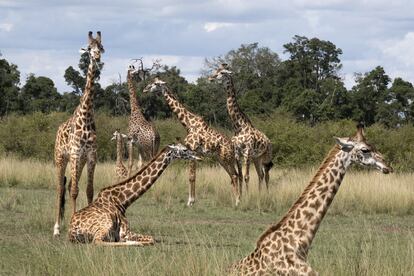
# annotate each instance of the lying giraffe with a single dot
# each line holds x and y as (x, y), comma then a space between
(283, 248)
(200, 138)
(249, 142)
(104, 221)
(76, 139)
(120, 169)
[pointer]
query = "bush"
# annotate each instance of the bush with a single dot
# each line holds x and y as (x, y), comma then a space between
(294, 144)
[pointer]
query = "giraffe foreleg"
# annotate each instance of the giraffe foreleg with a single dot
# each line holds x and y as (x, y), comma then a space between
(260, 172)
(76, 165)
(130, 156)
(91, 171)
(192, 178)
(247, 170)
(126, 235)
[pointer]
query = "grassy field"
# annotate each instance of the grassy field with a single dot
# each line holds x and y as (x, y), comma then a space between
(369, 229)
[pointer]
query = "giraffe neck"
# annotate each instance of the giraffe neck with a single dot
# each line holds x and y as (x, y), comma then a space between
(304, 217)
(86, 101)
(185, 116)
(129, 190)
(135, 108)
(238, 118)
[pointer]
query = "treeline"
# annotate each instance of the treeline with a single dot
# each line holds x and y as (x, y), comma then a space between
(295, 144)
(307, 85)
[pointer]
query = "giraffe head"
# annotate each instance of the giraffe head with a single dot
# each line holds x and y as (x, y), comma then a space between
(179, 151)
(95, 48)
(134, 73)
(118, 135)
(362, 152)
(157, 86)
(222, 74)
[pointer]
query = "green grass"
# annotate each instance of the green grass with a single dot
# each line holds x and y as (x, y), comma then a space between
(369, 229)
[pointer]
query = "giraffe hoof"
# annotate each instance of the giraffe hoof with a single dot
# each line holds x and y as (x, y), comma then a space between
(56, 231)
(190, 202)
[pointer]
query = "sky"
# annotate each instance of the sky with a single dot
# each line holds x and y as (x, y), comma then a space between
(44, 36)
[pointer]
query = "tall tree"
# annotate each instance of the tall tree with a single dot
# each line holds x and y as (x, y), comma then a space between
(309, 81)
(39, 94)
(371, 97)
(9, 81)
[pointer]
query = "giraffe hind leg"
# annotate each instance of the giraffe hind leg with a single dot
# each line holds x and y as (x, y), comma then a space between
(60, 199)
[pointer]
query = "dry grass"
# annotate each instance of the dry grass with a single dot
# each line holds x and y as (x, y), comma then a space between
(369, 229)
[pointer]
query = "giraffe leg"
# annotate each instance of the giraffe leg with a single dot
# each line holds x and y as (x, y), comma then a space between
(260, 171)
(246, 171)
(91, 171)
(192, 179)
(232, 172)
(130, 157)
(60, 199)
(76, 166)
(140, 160)
(126, 235)
(240, 174)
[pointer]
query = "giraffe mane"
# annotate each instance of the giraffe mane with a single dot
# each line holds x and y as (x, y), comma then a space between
(303, 196)
(138, 172)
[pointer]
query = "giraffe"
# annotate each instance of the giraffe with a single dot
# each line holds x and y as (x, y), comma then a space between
(249, 142)
(282, 249)
(200, 138)
(120, 169)
(76, 139)
(140, 130)
(104, 221)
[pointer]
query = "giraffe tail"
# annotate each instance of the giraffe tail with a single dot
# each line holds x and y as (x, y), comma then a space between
(62, 201)
(268, 166)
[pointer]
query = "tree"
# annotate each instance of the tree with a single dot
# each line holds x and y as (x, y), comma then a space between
(309, 82)
(39, 94)
(77, 80)
(9, 90)
(255, 70)
(371, 97)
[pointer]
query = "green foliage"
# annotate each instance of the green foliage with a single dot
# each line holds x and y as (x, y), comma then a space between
(9, 79)
(39, 94)
(295, 144)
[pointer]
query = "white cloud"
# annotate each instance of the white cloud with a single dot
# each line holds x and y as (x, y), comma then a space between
(213, 26)
(402, 50)
(6, 27)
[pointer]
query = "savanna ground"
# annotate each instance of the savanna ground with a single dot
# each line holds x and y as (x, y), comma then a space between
(369, 229)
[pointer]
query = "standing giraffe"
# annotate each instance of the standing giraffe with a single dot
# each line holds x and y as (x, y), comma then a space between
(248, 141)
(120, 169)
(282, 249)
(140, 130)
(200, 138)
(104, 221)
(76, 139)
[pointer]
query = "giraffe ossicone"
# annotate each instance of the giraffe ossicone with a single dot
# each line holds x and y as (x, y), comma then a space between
(283, 248)
(104, 220)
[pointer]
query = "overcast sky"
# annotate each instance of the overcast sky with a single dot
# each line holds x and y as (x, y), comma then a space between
(43, 37)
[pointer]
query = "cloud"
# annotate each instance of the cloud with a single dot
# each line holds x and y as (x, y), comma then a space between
(6, 27)
(213, 26)
(402, 50)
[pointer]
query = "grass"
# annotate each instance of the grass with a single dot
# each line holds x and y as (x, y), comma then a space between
(369, 229)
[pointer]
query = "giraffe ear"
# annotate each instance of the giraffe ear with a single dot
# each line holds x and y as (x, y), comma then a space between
(345, 143)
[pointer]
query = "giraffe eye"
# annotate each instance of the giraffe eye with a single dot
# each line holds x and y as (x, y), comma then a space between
(365, 150)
